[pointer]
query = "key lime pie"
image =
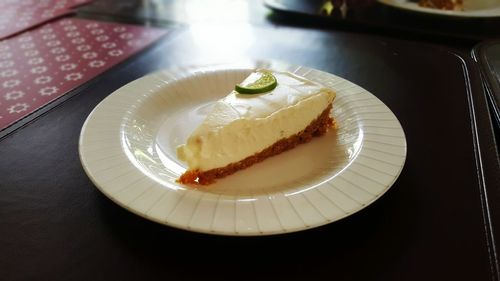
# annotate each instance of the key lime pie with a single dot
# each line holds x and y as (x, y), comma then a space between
(266, 114)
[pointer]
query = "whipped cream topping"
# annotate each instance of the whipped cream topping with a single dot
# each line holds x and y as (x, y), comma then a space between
(241, 125)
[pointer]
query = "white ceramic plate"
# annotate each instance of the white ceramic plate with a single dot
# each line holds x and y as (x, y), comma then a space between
(127, 147)
(472, 8)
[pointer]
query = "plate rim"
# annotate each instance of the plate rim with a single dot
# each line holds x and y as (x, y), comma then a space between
(408, 7)
(252, 64)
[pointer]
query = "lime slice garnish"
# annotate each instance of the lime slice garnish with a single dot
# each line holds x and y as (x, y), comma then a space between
(258, 82)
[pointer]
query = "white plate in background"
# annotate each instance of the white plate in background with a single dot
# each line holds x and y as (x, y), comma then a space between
(472, 8)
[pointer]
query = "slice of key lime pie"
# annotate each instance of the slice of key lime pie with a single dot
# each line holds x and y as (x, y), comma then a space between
(266, 114)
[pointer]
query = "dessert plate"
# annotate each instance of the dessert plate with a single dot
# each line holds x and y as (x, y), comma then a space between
(472, 8)
(127, 148)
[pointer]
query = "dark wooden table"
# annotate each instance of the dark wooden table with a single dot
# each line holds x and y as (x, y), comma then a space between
(438, 222)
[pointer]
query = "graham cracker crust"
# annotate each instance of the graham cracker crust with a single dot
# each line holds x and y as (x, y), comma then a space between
(450, 5)
(316, 128)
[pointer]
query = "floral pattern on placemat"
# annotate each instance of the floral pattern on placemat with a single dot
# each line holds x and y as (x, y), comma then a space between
(39, 66)
(17, 16)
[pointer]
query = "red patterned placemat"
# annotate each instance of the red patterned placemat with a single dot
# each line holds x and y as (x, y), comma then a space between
(41, 65)
(19, 15)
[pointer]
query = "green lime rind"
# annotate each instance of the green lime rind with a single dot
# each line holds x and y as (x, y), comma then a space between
(267, 82)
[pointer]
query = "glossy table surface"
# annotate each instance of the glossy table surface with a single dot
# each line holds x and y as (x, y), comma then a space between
(439, 220)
